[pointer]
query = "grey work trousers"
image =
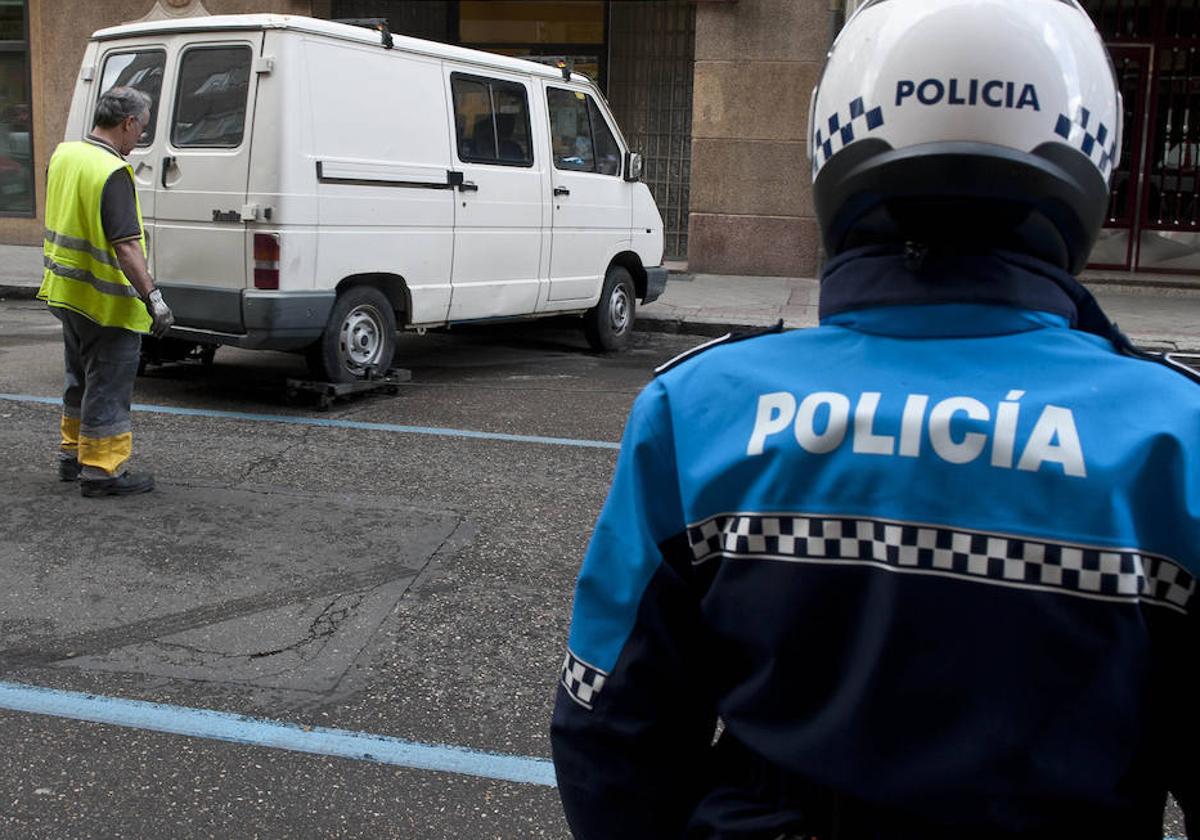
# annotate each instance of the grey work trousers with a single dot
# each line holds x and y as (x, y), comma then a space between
(101, 366)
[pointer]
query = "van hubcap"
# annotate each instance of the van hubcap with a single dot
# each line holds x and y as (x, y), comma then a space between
(361, 341)
(618, 310)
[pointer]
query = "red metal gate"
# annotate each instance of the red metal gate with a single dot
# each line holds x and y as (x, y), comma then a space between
(1154, 218)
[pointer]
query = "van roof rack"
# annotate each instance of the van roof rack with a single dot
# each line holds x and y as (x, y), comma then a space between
(379, 24)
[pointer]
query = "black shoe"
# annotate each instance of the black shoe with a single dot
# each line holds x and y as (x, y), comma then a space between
(124, 485)
(68, 469)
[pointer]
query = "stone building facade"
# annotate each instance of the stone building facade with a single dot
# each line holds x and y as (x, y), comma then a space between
(751, 204)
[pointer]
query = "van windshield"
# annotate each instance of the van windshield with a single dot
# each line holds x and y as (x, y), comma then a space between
(142, 71)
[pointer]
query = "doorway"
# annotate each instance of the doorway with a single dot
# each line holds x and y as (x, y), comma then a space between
(1153, 221)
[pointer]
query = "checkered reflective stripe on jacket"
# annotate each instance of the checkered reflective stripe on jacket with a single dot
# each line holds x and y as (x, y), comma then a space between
(1096, 146)
(843, 131)
(581, 680)
(1086, 571)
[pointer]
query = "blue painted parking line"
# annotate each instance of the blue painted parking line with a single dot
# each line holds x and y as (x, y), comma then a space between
(274, 734)
(293, 420)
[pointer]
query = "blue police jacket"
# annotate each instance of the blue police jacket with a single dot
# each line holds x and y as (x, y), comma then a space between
(926, 571)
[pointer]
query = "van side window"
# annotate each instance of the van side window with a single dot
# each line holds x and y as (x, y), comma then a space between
(141, 70)
(210, 100)
(581, 139)
(491, 119)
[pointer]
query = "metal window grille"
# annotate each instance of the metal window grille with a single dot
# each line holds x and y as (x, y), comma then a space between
(651, 63)
(1175, 131)
(1131, 76)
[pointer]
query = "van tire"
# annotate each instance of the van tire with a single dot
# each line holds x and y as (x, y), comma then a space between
(608, 325)
(360, 336)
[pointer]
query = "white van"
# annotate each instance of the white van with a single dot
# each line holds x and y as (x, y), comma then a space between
(312, 185)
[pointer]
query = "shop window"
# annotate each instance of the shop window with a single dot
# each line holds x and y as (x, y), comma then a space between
(582, 140)
(142, 70)
(492, 121)
(16, 138)
(210, 102)
(531, 22)
(547, 31)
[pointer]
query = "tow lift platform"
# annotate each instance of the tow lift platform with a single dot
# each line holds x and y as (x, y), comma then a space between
(326, 393)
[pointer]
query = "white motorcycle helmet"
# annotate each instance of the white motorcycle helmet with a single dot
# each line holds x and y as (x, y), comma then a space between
(944, 121)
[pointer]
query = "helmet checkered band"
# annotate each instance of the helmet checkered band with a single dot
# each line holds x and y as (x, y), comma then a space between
(1077, 132)
(842, 132)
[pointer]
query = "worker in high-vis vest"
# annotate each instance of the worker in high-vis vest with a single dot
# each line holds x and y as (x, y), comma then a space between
(97, 284)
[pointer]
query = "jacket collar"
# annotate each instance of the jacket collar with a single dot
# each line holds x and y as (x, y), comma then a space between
(887, 276)
(867, 287)
(878, 276)
(103, 144)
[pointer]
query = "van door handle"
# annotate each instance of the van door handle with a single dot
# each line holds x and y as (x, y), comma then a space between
(468, 186)
(168, 162)
(561, 191)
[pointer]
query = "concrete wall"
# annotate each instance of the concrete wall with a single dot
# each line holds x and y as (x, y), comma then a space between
(58, 32)
(751, 205)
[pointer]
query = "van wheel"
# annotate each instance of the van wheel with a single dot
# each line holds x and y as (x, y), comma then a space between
(360, 336)
(609, 324)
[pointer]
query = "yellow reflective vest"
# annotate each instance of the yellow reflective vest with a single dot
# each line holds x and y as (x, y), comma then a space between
(81, 269)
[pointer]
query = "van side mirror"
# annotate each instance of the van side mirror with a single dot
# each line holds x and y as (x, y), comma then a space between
(633, 166)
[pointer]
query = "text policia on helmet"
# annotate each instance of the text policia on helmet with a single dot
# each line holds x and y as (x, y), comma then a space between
(993, 93)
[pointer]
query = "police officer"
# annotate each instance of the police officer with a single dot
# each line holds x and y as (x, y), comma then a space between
(928, 570)
(97, 283)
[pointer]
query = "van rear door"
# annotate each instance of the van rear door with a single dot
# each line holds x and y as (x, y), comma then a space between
(140, 65)
(201, 178)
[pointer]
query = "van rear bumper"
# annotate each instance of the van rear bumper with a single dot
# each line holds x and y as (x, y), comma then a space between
(294, 318)
(270, 320)
(656, 283)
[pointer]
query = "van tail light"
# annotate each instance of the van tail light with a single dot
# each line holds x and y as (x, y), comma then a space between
(266, 261)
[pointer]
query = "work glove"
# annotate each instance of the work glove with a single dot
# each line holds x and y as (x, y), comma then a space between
(159, 312)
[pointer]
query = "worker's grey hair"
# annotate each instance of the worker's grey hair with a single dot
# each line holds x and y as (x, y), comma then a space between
(118, 103)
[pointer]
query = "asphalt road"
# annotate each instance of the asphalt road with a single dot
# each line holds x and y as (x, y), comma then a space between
(347, 575)
(416, 586)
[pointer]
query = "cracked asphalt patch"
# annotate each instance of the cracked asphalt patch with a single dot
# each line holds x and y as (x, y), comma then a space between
(304, 647)
(287, 601)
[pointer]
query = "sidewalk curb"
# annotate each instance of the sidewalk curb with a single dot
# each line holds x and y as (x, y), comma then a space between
(681, 326)
(716, 329)
(1186, 346)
